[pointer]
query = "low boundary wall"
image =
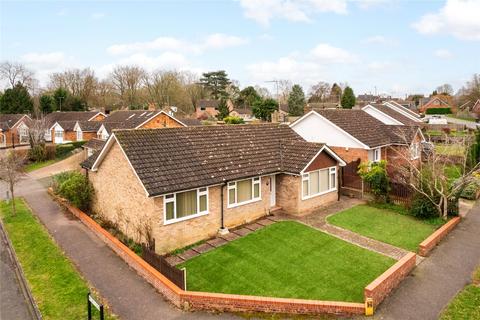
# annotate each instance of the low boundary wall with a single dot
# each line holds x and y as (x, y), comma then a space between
(191, 300)
(427, 245)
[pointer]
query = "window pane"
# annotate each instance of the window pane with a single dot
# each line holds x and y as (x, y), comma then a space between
(256, 190)
(244, 190)
(314, 186)
(305, 188)
(169, 210)
(231, 196)
(186, 203)
(333, 180)
(323, 180)
(203, 203)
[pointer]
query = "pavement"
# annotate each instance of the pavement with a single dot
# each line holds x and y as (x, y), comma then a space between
(128, 295)
(430, 287)
(14, 304)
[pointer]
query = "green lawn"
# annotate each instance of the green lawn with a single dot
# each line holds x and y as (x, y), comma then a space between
(450, 150)
(37, 165)
(453, 172)
(287, 259)
(57, 287)
(466, 305)
(384, 225)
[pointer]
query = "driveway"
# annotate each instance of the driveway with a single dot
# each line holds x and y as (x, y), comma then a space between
(127, 294)
(425, 293)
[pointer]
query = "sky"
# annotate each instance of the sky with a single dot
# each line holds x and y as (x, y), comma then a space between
(386, 46)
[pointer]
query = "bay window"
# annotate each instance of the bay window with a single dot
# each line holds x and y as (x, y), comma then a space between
(318, 182)
(243, 191)
(185, 205)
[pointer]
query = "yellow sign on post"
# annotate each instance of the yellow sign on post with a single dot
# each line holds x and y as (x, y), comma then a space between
(369, 307)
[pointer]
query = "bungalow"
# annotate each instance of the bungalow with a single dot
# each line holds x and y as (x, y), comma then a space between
(391, 114)
(244, 113)
(189, 183)
(14, 129)
(438, 101)
(137, 119)
(86, 130)
(357, 137)
(206, 108)
(58, 133)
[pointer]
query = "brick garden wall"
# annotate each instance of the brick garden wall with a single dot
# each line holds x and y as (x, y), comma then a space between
(379, 289)
(428, 244)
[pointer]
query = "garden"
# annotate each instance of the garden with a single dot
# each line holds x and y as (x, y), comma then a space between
(43, 156)
(289, 260)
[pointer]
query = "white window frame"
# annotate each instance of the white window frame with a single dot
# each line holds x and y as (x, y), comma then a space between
(332, 171)
(23, 134)
(233, 186)
(58, 133)
(415, 151)
(377, 154)
(79, 135)
(168, 199)
(48, 135)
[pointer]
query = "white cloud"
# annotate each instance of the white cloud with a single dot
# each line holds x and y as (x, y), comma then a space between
(367, 4)
(443, 54)
(379, 66)
(213, 41)
(326, 53)
(297, 11)
(62, 12)
(458, 18)
(381, 40)
(97, 15)
(46, 63)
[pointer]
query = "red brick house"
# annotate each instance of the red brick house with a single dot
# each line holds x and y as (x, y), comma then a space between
(438, 101)
(14, 129)
(357, 137)
(189, 183)
(62, 124)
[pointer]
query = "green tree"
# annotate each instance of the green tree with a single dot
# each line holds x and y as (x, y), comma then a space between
(233, 120)
(60, 98)
(263, 108)
(216, 83)
(247, 97)
(47, 103)
(348, 98)
(296, 101)
(223, 110)
(16, 100)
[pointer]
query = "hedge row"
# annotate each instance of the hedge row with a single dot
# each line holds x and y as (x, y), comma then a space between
(438, 111)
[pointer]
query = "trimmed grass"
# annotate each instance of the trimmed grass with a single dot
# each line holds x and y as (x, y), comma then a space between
(462, 117)
(290, 260)
(453, 172)
(385, 225)
(450, 150)
(466, 305)
(57, 287)
(38, 165)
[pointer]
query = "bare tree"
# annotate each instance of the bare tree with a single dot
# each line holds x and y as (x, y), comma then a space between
(193, 89)
(10, 172)
(36, 131)
(319, 92)
(16, 73)
(81, 83)
(127, 82)
(429, 176)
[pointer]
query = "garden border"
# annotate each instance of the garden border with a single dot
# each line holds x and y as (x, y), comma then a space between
(427, 245)
(191, 300)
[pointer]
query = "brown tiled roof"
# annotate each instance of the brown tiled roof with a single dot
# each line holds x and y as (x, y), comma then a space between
(362, 126)
(7, 121)
(130, 119)
(207, 103)
(407, 110)
(394, 114)
(67, 125)
(190, 122)
(175, 159)
(95, 144)
(90, 126)
(74, 116)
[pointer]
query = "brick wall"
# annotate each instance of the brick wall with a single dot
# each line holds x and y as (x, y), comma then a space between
(98, 117)
(390, 279)
(352, 154)
(428, 244)
(162, 121)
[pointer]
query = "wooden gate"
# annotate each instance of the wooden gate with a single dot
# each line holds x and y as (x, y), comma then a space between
(350, 177)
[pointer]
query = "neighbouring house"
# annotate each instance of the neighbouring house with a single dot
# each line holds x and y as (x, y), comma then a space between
(61, 124)
(438, 101)
(392, 115)
(91, 146)
(244, 113)
(187, 184)
(86, 130)
(14, 129)
(358, 137)
(206, 108)
(136, 119)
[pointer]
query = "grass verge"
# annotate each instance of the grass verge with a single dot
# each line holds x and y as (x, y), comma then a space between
(386, 225)
(466, 304)
(290, 260)
(56, 285)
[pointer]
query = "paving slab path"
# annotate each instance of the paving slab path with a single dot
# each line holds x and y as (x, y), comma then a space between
(431, 286)
(128, 295)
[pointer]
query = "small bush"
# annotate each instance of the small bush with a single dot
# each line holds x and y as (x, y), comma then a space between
(422, 207)
(74, 187)
(233, 120)
(38, 153)
(470, 190)
(439, 111)
(375, 174)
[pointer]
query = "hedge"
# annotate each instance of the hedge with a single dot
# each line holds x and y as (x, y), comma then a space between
(439, 111)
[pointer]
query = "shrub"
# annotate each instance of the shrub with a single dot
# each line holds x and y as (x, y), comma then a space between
(422, 207)
(63, 150)
(470, 190)
(438, 111)
(233, 120)
(375, 174)
(74, 187)
(38, 153)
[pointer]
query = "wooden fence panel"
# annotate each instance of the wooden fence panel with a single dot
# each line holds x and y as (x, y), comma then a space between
(174, 274)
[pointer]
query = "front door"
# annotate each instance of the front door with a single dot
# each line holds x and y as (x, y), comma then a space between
(273, 200)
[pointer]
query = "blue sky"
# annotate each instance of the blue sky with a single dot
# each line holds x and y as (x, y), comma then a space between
(396, 46)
